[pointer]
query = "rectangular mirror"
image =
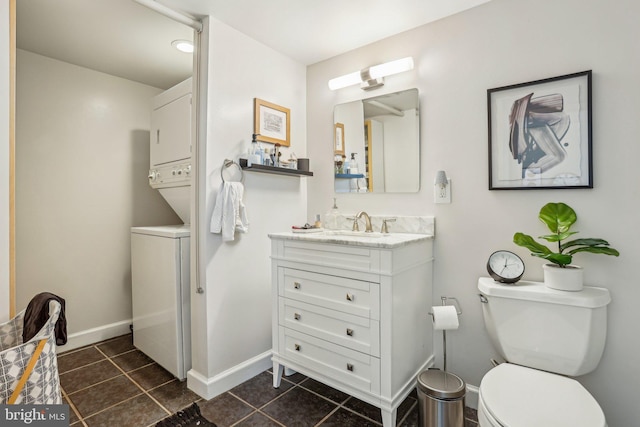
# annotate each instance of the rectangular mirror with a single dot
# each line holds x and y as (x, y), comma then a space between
(377, 144)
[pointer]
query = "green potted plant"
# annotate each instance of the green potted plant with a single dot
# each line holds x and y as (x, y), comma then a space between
(561, 274)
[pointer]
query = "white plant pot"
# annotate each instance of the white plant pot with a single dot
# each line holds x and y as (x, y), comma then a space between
(569, 278)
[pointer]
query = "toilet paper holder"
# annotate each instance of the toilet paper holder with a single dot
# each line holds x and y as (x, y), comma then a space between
(455, 303)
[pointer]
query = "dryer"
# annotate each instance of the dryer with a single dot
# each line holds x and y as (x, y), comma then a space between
(170, 147)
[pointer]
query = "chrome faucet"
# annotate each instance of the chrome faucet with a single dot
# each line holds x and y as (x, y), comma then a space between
(367, 222)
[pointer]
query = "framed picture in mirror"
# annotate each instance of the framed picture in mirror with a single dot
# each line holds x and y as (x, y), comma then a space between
(338, 138)
(271, 123)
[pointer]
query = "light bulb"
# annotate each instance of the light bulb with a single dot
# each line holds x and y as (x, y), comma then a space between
(393, 67)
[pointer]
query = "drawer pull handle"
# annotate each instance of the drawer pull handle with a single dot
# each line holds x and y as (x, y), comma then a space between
(296, 285)
(297, 347)
(350, 297)
(296, 316)
(349, 367)
(350, 332)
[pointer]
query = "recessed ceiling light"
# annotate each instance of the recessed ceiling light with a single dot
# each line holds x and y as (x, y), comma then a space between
(183, 45)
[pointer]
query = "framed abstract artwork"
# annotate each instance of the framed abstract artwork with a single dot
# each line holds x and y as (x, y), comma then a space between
(540, 134)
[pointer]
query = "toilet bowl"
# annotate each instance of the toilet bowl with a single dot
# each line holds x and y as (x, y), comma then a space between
(516, 396)
(546, 336)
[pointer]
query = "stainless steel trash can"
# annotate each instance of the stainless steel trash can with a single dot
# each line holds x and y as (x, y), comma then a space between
(440, 399)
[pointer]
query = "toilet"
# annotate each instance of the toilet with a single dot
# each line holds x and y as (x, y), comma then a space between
(546, 337)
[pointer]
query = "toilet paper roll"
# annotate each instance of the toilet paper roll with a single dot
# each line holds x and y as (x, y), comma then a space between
(445, 317)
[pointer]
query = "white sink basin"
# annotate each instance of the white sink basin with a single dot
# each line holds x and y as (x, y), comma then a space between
(361, 234)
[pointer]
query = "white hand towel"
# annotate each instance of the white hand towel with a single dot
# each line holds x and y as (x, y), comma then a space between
(229, 213)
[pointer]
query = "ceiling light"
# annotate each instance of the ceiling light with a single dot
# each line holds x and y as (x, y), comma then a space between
(183, 45)
(372, 77)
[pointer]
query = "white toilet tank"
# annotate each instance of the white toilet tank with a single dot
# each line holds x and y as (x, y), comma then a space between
(542, 328)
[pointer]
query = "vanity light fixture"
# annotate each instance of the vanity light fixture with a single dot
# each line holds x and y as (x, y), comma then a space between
(183, 45)
(372, 77)
(442, 190)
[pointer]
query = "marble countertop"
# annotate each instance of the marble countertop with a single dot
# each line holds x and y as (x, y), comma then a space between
(342, 237)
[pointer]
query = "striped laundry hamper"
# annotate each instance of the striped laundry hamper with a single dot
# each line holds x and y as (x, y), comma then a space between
(29, 371)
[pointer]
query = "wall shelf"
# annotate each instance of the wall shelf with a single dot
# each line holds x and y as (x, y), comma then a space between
(275, 170)
(349, 175)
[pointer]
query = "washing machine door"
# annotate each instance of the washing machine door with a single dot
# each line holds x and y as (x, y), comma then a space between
(515, 396)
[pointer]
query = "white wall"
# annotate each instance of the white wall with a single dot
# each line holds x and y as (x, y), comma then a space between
(401, 164)
(232, 319)
(82, 158)
(4, 160)
(457, 59)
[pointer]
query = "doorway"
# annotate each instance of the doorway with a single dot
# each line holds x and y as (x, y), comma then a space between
(82, 151)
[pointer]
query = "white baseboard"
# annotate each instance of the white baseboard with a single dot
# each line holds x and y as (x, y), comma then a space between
(208, 388)
(471, 398)
(94, 335)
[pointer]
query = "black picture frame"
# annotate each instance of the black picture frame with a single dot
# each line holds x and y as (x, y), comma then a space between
(540, 134)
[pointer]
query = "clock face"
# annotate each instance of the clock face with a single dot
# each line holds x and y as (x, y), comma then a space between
(505, 267)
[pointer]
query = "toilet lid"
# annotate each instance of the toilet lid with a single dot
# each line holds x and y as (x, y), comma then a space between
(523, 397)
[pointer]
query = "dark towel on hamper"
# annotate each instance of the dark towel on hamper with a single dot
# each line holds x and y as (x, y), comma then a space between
(37, 314)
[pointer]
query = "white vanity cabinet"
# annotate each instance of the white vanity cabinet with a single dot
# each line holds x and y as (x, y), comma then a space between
(353, 313)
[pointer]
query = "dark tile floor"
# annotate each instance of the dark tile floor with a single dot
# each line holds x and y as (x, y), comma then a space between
(111, 383)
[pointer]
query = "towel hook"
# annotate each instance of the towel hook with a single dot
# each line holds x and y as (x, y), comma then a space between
(226, 165)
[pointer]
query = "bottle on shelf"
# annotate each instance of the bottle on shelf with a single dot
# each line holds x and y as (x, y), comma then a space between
(353, 165)
(254, 154)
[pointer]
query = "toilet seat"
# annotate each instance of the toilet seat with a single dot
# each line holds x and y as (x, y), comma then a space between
(516, 396)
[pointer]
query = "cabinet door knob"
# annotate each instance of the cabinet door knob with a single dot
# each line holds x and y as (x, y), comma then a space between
(350, 297)
(296, 285)
(349, 367)
(296, 316)
(297, 347)
(350, 332)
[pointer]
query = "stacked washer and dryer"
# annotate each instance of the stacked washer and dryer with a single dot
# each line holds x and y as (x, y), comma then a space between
(160, 259)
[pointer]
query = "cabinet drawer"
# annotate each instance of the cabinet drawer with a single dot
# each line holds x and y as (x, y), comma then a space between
(357, 333)
(351, 296)
(359, 258)
(342, 364)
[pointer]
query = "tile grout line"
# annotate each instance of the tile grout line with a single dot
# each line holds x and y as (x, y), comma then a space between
(258, 408)
(326, 417)
(83, 366)
(72, 405)
(300, 385)
(135, 382)
(108, 358)
(339, 405)
(256, 411)
(101, 382)
(403, 419)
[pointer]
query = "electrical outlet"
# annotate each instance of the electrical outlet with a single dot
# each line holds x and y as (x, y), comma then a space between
(442, 193)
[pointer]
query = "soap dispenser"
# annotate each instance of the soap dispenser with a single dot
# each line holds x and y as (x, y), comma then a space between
(353, 165)
(254, 154)
(331, 217)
